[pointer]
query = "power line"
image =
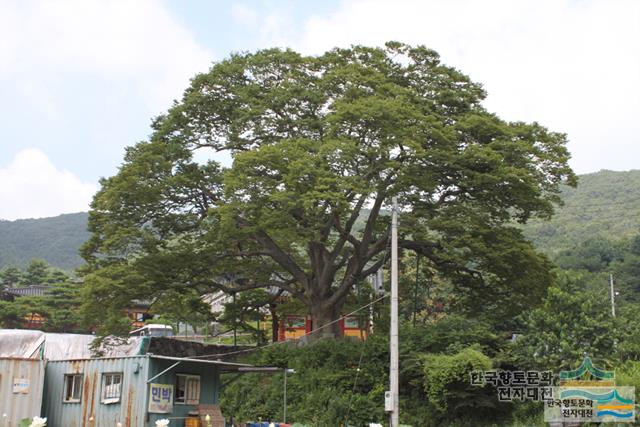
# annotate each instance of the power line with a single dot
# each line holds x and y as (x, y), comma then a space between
(355, 383)
(582, 213)
(624, 201)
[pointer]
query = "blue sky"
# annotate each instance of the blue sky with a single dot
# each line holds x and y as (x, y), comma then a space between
(81, 79)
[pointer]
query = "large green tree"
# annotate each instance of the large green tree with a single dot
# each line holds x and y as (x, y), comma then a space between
(319, 146)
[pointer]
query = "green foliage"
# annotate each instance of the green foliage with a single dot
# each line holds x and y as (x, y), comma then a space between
(12, 315)
(595, 254)
(435, 361)
(628, 337)
(11, 276)
(626, 273)
(320, 391)
(452, 334)
(177, 306)
(36, 273)
(571, 322)
(105, 295)
(446, 382)
(58, 307)
(628, 374)
(245, 313)
(55, 240)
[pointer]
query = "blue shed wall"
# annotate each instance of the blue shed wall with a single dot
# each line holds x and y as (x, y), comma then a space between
(130, 411)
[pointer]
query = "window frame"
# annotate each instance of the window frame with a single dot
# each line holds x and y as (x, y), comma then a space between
(76, 379)
(106, 400)
(185, 400)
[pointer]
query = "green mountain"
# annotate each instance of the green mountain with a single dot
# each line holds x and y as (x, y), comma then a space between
(56, 240)
(605, 204)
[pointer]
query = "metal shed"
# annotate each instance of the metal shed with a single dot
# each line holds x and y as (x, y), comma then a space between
(135, 383)
(20, 389)
(131, 407)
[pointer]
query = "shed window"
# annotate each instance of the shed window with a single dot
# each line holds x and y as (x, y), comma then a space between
(188, 389)
(111, 387)
(72, 388)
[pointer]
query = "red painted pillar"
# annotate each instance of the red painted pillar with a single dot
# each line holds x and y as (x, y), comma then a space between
(308, 325)
(281, 331)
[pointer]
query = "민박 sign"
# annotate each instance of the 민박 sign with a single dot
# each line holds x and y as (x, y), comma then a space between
(160, 398)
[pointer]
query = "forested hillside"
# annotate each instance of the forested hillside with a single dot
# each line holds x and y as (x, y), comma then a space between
(605, 204)
(55, 240)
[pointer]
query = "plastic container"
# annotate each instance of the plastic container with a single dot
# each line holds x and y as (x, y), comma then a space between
(192, 422)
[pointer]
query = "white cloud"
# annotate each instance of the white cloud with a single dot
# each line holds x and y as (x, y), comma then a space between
(113, 38)
(271, 24)
(244, 15)
(32, 187)
(572, 65)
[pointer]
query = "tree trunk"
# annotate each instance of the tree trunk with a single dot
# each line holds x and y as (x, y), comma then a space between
(274, 323)
(324, 320)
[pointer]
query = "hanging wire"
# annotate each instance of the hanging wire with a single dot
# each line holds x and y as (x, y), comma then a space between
(364, 346)
(355, 383)
(306, 334)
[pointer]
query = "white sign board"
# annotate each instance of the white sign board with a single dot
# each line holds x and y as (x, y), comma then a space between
(160, 398)
(21, 385)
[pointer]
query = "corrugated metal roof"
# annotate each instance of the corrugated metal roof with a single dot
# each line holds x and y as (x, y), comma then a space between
(20, 343)
(34, 344)
(75, 346)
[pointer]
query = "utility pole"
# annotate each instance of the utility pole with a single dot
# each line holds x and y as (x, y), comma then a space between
(284, 409)
(415, 293)
(393, 369)
(235, 320)
(613, 305)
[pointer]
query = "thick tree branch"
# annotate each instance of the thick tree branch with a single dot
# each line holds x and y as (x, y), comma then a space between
(281, 257)
(345, 235)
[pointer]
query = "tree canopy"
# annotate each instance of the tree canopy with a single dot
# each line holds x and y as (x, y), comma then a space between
(319, 146)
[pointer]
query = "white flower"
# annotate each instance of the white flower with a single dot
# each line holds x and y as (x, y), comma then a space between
(162, 423)
(38, 422)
